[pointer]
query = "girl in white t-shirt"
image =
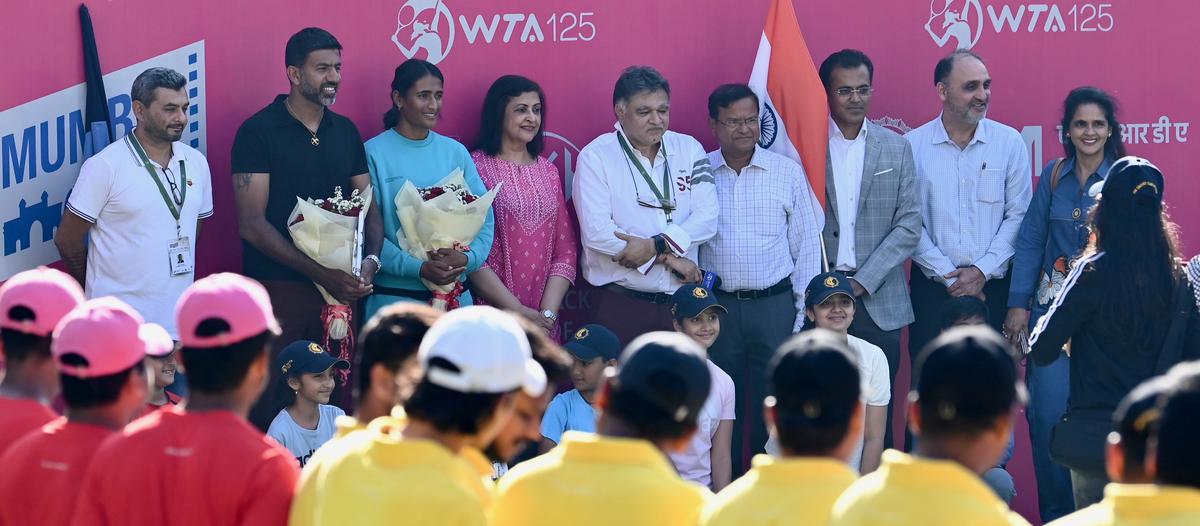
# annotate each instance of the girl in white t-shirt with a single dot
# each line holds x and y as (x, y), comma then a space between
(708, 458)
(829, 304)
(307, 422)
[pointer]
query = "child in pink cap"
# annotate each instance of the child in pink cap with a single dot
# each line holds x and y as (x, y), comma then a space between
(162, 367)
(31, 304)
(100, 350)
(205, 446)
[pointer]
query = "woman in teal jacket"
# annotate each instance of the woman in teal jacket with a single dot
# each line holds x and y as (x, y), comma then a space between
(409, 150)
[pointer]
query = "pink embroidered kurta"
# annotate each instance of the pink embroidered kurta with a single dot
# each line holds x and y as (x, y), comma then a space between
(536, 236)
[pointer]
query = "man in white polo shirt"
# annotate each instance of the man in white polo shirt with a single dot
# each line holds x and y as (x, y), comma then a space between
(646, 201)
(136, 207)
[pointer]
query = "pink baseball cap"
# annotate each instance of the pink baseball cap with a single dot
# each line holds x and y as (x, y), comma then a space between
(158, 341)
(240, 302)
(105, 333)
(49, 293)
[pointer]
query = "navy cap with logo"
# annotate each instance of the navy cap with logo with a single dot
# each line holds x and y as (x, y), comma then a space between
(594, 341)
(1131, 177)
(690, 300)
(824, 285)
(669, 371)
(303, 356)
(967, 375)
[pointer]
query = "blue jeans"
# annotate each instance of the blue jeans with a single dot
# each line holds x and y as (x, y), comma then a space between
(1001, 482)
(999, 479)
(1049, 387)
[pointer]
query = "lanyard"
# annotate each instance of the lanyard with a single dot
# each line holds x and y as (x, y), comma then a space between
(667, 207)
(173, 204)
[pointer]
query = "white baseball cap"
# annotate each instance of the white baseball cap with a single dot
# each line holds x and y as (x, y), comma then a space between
(489, 349)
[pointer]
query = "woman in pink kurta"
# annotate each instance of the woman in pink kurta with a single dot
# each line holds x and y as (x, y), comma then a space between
(536, 247)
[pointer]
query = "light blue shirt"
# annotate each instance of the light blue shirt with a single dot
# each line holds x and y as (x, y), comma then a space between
(568, 412)
(972, 199)
(394, 159)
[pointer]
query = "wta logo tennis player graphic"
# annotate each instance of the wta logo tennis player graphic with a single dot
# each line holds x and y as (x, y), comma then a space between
(961, 20)
(427, 25)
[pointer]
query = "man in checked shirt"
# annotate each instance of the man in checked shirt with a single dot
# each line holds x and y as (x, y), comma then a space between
(766, 249)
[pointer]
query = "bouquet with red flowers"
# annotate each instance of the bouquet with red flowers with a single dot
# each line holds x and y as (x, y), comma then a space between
(445, 215)
(330, 231)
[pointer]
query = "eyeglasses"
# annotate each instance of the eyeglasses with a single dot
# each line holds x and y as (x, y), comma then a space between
(667, 206)
(176, 194)
(861, 91)
(733, 124)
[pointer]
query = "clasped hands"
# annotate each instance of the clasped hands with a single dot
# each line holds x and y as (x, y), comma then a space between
(639, 250)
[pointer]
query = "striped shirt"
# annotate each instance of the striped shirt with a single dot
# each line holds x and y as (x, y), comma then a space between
(768, 228)
(972, 199)
(1193, 271)
(607, 192)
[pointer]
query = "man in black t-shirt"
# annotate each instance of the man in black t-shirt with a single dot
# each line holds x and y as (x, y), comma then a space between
(297, 148)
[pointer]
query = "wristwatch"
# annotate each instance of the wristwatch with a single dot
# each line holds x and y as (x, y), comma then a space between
(549, 315)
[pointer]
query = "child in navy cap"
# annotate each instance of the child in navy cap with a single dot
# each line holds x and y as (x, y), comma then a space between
(593, 348)
(708, 458)
(305, 382)
(829, 304)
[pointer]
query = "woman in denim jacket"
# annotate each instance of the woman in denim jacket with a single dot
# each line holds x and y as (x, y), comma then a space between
(1052, 234)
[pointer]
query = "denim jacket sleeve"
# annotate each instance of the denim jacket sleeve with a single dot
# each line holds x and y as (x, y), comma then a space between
(1030, 246)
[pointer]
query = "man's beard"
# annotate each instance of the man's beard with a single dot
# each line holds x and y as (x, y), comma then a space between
(965, 114)
(493, 454)
(314, 95)
(164, 133)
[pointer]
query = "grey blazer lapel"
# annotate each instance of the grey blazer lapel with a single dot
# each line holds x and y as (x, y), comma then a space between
(870, 161)
(830, 187)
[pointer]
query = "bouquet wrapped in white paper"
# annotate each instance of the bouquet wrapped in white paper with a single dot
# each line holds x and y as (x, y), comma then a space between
(445, 215)
(330, 231)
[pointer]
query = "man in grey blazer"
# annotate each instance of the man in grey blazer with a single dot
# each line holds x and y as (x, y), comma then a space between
(872, 220)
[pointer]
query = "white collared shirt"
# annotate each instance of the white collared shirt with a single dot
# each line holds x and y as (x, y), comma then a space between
(606, 191)
(768, 228)
(846, 157)
(972, 199)
(132, 226)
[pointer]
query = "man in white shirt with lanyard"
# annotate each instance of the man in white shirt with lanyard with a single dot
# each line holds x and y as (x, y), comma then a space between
(136, 207)
(974, 183)
(646, 200)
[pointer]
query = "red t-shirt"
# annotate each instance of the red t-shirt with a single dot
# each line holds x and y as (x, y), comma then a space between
(42, 472)
(226, 471)
(172, 400)
(20, 416)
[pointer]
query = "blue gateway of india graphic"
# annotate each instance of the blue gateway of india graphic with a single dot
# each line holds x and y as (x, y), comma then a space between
(17, 231)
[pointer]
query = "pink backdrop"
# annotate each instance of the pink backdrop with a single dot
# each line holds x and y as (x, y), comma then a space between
(1035, 52)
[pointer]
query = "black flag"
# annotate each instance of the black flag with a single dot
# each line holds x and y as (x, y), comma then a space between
(97, 123)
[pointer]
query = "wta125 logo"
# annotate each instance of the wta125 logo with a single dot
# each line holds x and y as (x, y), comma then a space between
(427, 29)
(963, 22)
(564, 154)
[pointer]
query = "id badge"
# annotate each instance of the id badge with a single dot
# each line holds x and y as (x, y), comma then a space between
(179, 253)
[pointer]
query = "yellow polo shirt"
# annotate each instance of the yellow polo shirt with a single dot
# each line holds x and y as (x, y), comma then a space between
(908, 490)
(480, 463)
(590, 480)
(347, 424)
(796, 490)
(1140, 505)
(372, 477)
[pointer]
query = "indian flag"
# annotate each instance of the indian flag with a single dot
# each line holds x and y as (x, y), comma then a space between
(794, 114)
